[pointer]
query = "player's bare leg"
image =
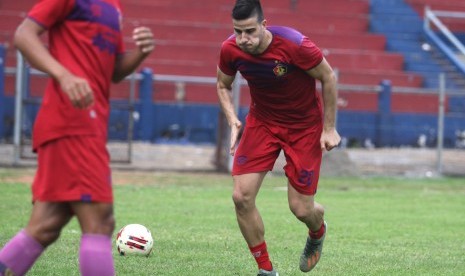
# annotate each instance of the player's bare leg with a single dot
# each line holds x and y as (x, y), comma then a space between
(44, 227)
(47, 220)
(305, 208)
(95, 218)
(97, 225)
(311, 213)
(246, 187)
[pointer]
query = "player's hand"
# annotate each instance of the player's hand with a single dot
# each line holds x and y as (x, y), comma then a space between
(77, 89)
(235, 129)
(143, 38)
(329, 139)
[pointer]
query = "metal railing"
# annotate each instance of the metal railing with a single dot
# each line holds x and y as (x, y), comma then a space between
(432, 18)
(20, 100)
(23, 75)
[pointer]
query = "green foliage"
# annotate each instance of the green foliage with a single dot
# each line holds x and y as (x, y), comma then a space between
(376, 226)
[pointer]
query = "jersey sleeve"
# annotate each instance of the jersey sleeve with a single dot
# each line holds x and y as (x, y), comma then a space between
(226, 61)
(308, 55)
(48, 12)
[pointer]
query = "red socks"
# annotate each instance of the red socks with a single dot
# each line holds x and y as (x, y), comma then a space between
(318, 234)
(261, 256)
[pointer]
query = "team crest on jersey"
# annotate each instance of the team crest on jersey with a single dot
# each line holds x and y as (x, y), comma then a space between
(280, 69)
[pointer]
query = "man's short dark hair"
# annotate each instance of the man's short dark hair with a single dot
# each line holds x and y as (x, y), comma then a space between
(244, 9)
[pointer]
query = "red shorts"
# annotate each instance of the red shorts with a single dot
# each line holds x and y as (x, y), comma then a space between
(73, 168)
(261, 144)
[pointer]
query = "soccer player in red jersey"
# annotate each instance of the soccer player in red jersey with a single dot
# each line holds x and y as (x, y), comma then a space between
(84, 56)
(280, 66)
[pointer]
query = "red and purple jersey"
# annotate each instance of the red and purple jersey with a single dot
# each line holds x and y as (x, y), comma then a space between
(282, 92)
(85, 37)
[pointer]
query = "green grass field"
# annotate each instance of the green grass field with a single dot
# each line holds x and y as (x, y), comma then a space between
(376, 226)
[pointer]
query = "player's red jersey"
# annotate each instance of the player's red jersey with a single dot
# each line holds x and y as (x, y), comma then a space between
(85, 37)
(282, 92)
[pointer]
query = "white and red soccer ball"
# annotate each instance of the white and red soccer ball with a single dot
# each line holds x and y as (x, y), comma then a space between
(134, 239)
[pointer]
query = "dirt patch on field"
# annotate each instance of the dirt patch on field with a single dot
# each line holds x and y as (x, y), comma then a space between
(409, 162)
(148, 157)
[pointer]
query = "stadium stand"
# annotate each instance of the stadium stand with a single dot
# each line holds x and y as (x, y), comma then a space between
(445, 5)
(11, 14)
(401, 22)
(189, 36)
(366, 41)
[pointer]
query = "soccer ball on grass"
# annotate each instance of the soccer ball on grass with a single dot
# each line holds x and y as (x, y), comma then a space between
(134, 239)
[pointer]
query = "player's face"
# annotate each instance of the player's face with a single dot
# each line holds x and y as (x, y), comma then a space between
(250, 34)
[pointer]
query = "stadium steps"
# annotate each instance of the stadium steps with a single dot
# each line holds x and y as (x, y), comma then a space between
(333, 23)
(373, 78)
(346, 76)
(455, 25)
(21, 5)
(341, 32)
(364, 60)
(402, 26)
(212, 37)
(10, 20)
(340, 58)
(352, 41)
(348, 6)
(444, 5)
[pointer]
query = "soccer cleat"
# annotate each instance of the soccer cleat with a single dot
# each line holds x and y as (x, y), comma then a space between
(312, 252)
(263, 272)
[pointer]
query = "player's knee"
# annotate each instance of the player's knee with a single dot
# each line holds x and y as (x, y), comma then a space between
(96, 219)
(319, 211)
(110, 224)
(45, 233)
(106, 226)
(302, 212)
(51, 236)
(317, 218)
(242, 201)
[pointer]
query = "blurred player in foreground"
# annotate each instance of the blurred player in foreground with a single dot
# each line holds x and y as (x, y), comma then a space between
(73, 176)
(281, 66)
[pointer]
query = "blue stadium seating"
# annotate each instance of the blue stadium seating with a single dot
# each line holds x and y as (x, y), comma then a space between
(403, 27)
(367, 41)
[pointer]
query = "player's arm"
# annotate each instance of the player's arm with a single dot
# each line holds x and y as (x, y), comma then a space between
(128, 62)
(27, 41)
(224, 89)
(323, 72)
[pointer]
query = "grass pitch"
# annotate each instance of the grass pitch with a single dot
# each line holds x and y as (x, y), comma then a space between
(376, 226)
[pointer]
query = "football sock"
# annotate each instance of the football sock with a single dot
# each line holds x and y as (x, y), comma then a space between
(19, 254)
(95, 256)
(260, 254)
(318, 234)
